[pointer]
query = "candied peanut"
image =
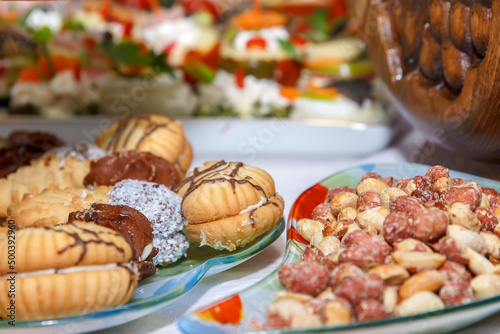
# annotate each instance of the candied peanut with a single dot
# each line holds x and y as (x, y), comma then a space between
(366, 200)
(342, 271)
(371, 184)
(490, 193)
(304, 277)
(372, 175)
(392, 274)
(356, 288)
(456, 293)
(465, 238)
(364, 257)
(342, 200)
(486, 285)
(466, 195)
(406, 204)
(329, 244)
(429, 224)
(421, 188)
(390, 181)
(421, 302)
(294, 313)
(478, 264)
(447, 246)
(403, 182)
(316, 239)
(373, 218)
(455, 272)
(460, 183)
(427, 280)
(308, 227)
(418, 261)
(487, 219)
(361, 238)
(300, 297)
(396, 227)
(347, 213)
(460, 214)
(312, 254)
(412, 245)
(436, 172)
(388, 193)
(322, 210)
(337, 190)
(370, 309)
(338, 312)
(493, 243)
(336, 229)
(391, 298)
(440, 177)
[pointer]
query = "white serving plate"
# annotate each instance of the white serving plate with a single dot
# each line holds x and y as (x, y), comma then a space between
(243, 139)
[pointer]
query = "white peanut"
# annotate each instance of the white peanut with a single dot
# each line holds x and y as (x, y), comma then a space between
(493, 243)
(371, 184)
(329, 244)
(308, 227)
(460, 214)
(392, 274)
(465, 238)
(485, 285)
(421, 302)
(373, 218)
(417, 261)
(478, 264)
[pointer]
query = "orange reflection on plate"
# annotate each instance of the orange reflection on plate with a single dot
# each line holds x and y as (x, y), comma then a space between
(229, 311)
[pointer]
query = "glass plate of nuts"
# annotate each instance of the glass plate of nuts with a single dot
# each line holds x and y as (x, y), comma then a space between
(403, 248)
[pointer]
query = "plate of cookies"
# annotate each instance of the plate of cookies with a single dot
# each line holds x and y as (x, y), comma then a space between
(400, 248)
(94, 235)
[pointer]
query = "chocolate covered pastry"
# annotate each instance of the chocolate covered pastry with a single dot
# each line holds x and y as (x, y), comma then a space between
(134, 226)
(229, 205)
(142, 166)
(75, 269)
(20, 147)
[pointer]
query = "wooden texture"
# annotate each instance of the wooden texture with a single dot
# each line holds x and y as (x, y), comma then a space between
(441, 61)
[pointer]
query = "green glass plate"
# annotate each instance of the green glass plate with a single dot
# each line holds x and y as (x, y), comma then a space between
(156, 292)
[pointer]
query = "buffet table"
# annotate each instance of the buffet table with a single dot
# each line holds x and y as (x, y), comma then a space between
(292, 177)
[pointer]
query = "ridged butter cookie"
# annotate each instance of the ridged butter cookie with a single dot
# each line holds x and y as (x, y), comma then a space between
(228, 205)
(156, 134)
(74, 269)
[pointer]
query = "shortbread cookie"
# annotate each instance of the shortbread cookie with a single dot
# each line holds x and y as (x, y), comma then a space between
(228, 205)
(133, 165)
(52, 206)
(67, 270)
(64, 167)
(155, 134)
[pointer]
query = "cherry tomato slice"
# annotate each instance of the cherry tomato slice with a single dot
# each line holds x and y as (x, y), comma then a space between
(257, 42)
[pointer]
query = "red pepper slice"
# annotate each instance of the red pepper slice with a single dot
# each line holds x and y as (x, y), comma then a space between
(239, 77)
(257, 42)
(287, 72)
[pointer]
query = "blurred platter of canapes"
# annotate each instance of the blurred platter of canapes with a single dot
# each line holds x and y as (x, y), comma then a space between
(297, 59)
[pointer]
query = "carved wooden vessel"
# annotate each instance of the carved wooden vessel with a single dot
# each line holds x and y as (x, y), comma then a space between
(441, 61)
